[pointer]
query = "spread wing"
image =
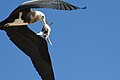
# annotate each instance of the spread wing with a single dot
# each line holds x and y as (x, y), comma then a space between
(35, 47)
(26, 8)
(53, 4)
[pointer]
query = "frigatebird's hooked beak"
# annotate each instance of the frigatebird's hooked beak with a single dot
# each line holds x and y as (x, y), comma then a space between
(43, 20)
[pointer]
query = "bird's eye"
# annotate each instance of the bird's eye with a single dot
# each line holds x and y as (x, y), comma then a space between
(42, 16)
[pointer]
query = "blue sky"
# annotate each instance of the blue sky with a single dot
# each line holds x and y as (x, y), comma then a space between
(86, 43)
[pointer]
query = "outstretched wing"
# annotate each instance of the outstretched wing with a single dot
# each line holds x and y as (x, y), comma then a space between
(26, 8)
(53, 4)
(35, 47)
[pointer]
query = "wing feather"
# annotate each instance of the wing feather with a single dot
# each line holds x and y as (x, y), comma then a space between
(46, 4)
(35, 47)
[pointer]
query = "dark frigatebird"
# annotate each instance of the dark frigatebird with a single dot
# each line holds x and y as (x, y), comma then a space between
(31, 44)
(24, 15)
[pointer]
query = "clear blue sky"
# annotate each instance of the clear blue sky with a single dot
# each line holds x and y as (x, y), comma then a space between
(86, 43)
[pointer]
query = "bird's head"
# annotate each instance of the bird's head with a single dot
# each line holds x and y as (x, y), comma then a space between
(41, 17)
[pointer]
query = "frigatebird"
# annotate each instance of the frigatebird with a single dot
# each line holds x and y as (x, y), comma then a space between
(24, 15)
(25, 39)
